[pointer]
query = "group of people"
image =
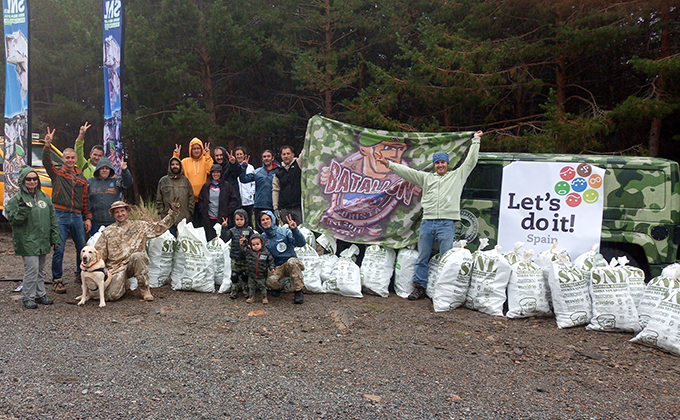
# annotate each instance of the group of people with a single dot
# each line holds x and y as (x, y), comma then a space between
(221, 193)
(224, 190)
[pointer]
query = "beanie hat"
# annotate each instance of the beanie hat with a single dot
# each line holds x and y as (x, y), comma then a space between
(440, 156)
(216, 167)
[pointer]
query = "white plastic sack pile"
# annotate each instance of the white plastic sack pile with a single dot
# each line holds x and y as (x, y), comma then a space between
(94, 238)
(613, 306)
(588, 260)
(528, 291)
(192, 269)
(376, 270)
(225, 287)
(654, 292)
(433, 269)
(454, 279)
(217, 248)
(490, 277)
(328, 261)
(636, 280)
(310, 239)
(570, 293)
(313, 264)
(345, 278)
(160, 251)
(328, 243)
(514, 256)
(662, 330)
(405, 271)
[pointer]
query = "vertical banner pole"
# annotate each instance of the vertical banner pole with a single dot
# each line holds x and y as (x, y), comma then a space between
(17, 130)
(113, 49)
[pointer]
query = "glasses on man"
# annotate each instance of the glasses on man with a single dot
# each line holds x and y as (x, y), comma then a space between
(31, 178)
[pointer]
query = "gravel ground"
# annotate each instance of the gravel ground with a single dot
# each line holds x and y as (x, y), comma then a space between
(202, 356)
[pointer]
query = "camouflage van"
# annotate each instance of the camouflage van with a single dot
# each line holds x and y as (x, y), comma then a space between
(641, 218)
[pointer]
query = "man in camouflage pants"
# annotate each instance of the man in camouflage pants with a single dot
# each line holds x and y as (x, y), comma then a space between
(122, 247)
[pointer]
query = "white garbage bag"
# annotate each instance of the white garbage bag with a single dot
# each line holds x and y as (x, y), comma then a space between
(570, 293)
(160, 251)
(528, 290)
(452, 286)
(377, 268)
(345, 278)
(192, 269)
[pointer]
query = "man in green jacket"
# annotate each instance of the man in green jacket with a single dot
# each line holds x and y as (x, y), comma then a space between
(97, 152)
(440, 203)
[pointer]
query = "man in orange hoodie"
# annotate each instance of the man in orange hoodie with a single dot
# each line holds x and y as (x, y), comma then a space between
(196, 168)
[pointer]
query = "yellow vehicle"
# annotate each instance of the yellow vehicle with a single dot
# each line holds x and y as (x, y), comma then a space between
(37, 152)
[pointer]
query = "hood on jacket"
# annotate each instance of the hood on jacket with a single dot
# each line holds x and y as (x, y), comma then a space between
(198, 141)
(270, 214)
(181, 168)
(225, 162)
(25, 170)
(104, 161)
(256, 235)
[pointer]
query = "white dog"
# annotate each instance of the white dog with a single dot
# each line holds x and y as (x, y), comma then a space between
(93, 274)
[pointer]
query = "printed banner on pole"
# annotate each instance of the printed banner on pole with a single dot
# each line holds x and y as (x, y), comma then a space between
(546, 203)
(113, 53)
(349, 196)
(17, 136)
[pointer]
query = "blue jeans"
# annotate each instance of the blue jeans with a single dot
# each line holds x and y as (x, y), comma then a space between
(440, 230)
(68, 222)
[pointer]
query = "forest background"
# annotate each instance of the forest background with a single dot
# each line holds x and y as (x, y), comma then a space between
(565, 76)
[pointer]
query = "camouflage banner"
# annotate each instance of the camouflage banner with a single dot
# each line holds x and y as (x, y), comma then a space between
(113, 52)
(347, 195)
(17, 137)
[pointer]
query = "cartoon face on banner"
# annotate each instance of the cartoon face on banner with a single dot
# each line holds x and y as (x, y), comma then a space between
(551, 203)
(361, 192)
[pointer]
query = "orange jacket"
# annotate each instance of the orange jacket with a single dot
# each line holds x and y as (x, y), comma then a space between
(197, 170)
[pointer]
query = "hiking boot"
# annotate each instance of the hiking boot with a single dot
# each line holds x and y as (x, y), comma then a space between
(265, 300)
(275, 292)
(251, 299)
(30, 304)
(44, 300)
(417, 293)
(233, 295)
(146, 293)
(58, 287)
(299, 298)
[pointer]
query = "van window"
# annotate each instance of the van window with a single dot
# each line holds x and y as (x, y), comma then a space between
(484, 183)
(635, 188)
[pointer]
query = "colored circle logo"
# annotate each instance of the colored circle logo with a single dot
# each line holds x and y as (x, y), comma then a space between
(562, 188)
(584, 170)
(590, 196)
(573, 200)
(579, 185)
(567, 173)
(595, 181)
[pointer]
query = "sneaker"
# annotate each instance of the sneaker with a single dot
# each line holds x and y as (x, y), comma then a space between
(299, 298)
(30, 304)
(250, 299)
(417, 293)
(44, 300)
(265, 300)
(59, 287)
(275, 292)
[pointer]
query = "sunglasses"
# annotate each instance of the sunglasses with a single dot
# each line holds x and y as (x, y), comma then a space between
(31, 178)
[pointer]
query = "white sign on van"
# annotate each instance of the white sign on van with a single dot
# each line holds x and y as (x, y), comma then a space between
(547, 203)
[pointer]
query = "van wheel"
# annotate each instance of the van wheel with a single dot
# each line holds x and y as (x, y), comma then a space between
(635, 255)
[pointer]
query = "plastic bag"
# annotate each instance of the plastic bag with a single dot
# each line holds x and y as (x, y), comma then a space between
(490, 277)
(405, 271)
(569, 292)
(662, 329)
(217, 247)
(345, 278)
(655, 291)
(613, 306)
(160, 251)
(192, 269)
(528, 290)
(377, 268)
(313, 264)
(452, 286)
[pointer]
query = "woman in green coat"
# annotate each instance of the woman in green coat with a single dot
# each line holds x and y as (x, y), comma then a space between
(34, 230)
